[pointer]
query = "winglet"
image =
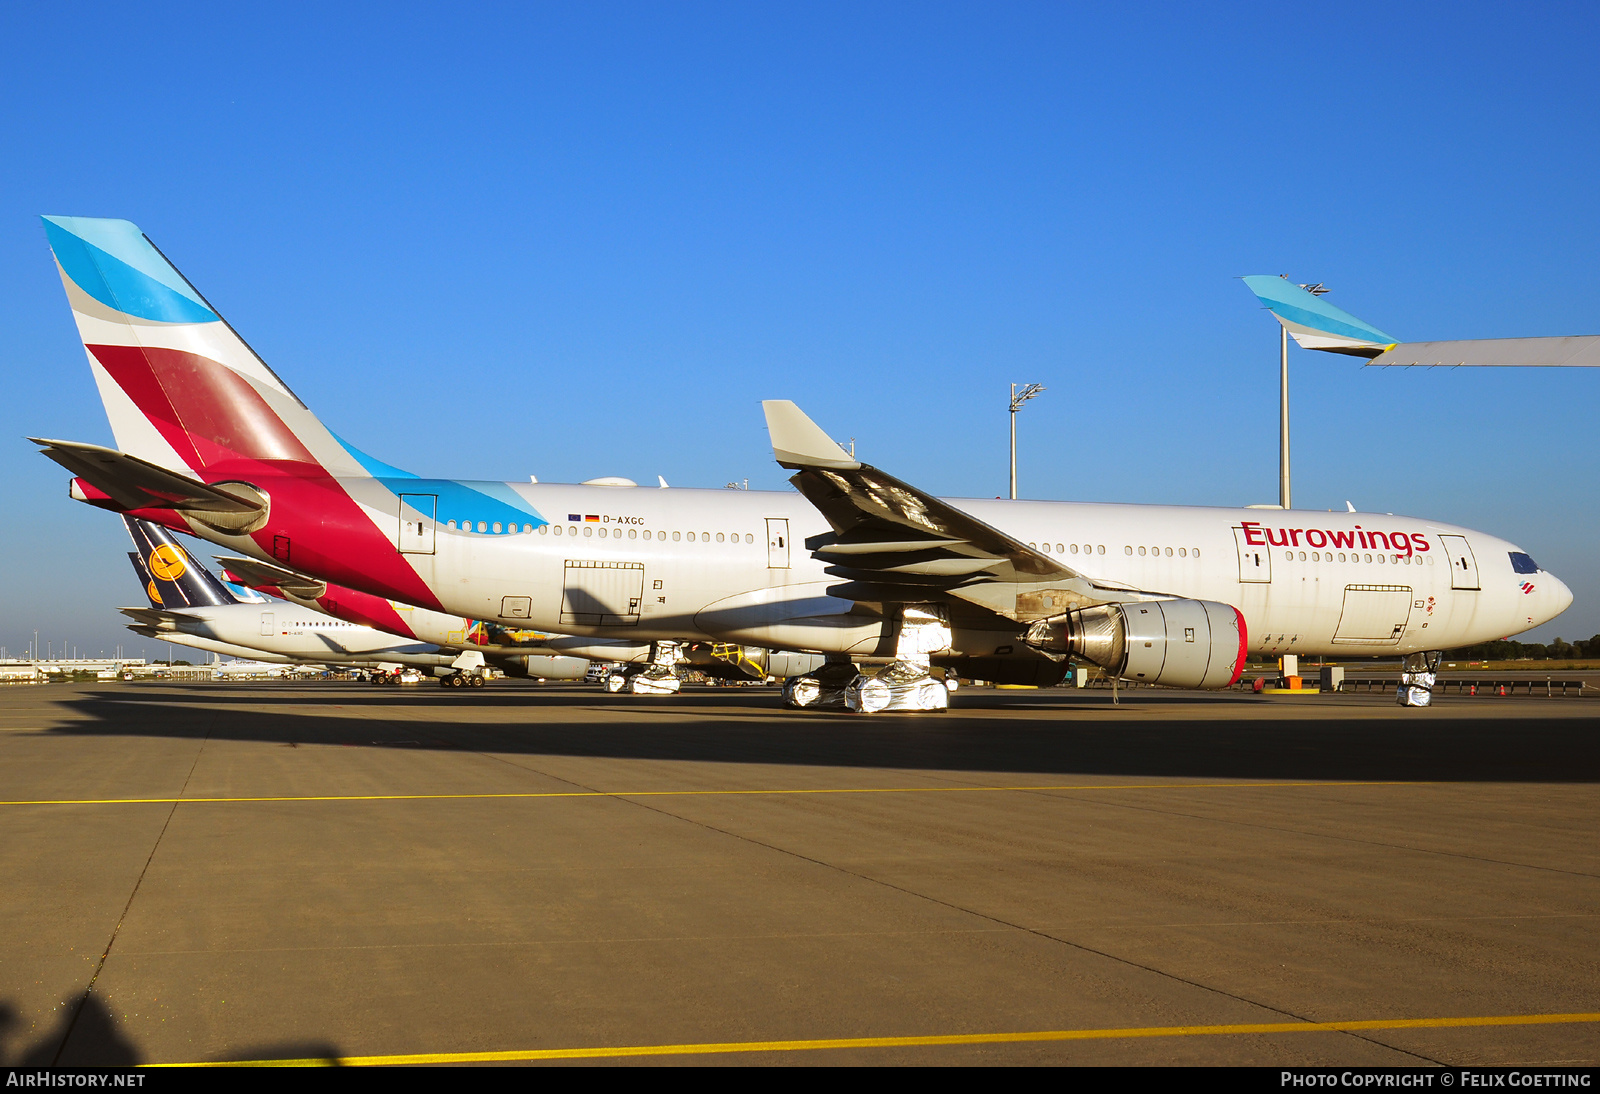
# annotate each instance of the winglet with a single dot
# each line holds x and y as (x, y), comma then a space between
(799, 442)
(1314, 323)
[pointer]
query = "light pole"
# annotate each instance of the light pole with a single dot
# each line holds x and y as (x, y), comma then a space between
(1017, 399)
(1283, 401)
(1283, 419)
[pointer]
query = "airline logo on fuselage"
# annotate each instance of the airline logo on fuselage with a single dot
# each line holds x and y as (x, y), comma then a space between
(1356, 539)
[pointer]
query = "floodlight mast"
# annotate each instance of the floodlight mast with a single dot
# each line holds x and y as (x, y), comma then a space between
(1283, 400)
(1017, 399)
(1283, 419)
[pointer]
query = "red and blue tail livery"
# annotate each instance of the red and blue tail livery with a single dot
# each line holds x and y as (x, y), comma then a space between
(192, 407)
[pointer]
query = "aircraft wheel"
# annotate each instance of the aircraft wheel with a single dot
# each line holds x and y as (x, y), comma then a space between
(616, 682)
(478, 681)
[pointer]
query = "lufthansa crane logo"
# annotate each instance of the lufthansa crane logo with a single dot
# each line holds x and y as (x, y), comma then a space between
(155, 594)
(167, 562)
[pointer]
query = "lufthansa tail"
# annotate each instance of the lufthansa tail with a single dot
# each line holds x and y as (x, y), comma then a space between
(174, 579)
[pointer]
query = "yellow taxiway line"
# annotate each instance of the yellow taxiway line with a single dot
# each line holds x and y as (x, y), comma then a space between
(700, 793)
(719, 1048)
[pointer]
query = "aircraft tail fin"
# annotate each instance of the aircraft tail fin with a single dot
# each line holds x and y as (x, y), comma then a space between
(172, 577)
(182, 390)
(1313, 322)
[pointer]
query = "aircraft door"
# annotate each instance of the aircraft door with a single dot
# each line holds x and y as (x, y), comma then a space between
(268, 627)
(1374, 615)
(415, 535)
(1463, 567)
(1255, 562)
(602, 594)
(777, 543)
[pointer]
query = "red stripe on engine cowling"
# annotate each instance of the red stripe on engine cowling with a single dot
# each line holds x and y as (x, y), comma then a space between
(1244, 649)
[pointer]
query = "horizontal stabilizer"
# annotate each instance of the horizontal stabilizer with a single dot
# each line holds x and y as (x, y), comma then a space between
(1313, 322)
(153, 617)
(256, 573)
(798, 442)
(1580, 351)
(137, 484)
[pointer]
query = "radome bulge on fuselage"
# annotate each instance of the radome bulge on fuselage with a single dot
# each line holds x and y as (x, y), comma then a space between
(212, 441)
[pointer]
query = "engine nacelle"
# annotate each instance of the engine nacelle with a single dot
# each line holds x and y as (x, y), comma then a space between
(526, 665)
(1178, 643)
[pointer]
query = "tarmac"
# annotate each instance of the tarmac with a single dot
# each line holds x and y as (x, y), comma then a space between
(341, 873)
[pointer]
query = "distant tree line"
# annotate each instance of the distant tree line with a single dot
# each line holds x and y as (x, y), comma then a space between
(1507, 650)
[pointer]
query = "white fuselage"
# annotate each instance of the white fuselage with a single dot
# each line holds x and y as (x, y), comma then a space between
(300, 634)
(1306, 581)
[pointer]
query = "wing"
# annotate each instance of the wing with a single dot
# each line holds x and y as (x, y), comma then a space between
(891, 542)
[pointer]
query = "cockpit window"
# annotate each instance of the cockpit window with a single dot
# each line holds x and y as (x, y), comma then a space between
(1522, 564)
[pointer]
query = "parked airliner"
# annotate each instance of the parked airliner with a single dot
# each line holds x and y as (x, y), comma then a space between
(190, 606)
(855, 563)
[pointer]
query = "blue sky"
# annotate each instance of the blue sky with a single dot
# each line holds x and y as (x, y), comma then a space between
(586, 240)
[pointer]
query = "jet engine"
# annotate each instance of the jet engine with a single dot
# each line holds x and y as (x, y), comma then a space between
(539, 665)
(1178, 643)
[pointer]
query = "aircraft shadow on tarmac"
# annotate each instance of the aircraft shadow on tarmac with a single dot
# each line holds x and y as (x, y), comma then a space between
(1056, 733)
(88, 1036)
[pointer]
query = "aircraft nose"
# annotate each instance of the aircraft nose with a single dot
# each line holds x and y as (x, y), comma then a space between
(1560, 595)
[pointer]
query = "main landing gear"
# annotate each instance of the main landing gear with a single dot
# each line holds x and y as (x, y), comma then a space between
(908, 683)
(466, 671)
(658, 677)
